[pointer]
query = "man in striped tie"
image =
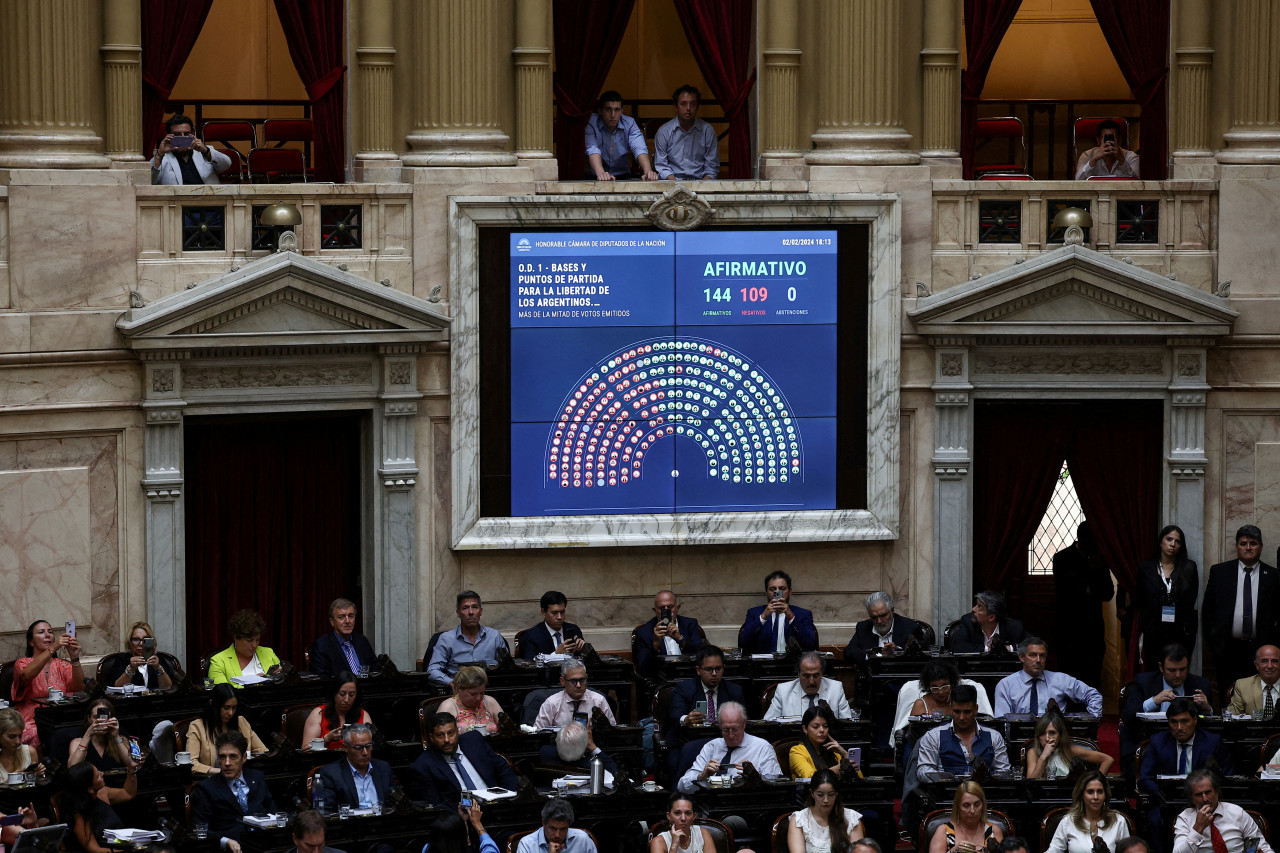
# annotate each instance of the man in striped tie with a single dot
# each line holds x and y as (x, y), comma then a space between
(1259, 694)
(343, 648)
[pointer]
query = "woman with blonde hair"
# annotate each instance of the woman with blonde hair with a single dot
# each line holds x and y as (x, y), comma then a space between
(15, 756)
(474, 710)
(140, 664)
(968, 830)
(1090, 818)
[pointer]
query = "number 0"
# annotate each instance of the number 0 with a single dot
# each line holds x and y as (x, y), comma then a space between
(791, 294)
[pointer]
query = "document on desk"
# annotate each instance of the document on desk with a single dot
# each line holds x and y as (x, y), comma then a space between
(490, 795)
(243, 680)
(1151, 716)
(133, 836)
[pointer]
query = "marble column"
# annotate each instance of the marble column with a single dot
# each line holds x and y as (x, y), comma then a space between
(781, 155)
(534, 107)
(1189, 105)
(456, 104)
(376, 158)
(940, 66)
(395, 577)
(163, 487)
(953, 483)
(1254, 137)
(1188, 394)
(48, 73)
(859, 109)
(122, 68)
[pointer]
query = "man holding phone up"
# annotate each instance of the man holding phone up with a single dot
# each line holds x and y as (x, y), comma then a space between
(768, 627)
(1108, 159)
(174, 163)
(667, 633)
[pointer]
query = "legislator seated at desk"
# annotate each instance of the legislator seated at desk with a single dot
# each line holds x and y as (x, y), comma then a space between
(768, 627)
(793, 698)
(1259, 694)
(344, 708)
(102, 744)
(453, 763)
(469, 703)
(575, 747)
(1210, 825)
(1091, 818)
(1030, 690)
(560, 709)
(245, 657)
(726, 754)
(470, 642)
(553, 635)
(1151, 692)
(667, 633)
(87, 805)
(951, 748)
(1053, 750)
(969, 828)
(307, 830)
(141, 664)
(883, 631)
(980, 628)
(361, 780)
(222, 801)
(343, 647)
(557, 834)
(818, 750)
(222, 714)
(707, 685)
(823, 818)
(1182, 749)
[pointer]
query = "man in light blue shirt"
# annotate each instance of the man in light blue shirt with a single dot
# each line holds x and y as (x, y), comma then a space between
(1029, 691)
(555, 835)
(469, 642)
(613, 139)
(361, 781)
(687, 149)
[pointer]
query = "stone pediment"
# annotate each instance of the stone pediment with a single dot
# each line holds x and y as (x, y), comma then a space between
(1073, 291)
(283, 299)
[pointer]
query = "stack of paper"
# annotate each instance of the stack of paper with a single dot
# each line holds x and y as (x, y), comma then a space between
(242, 680)
(133, 836)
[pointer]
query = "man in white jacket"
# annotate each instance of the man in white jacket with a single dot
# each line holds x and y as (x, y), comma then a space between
(183, 158)
(793, 698)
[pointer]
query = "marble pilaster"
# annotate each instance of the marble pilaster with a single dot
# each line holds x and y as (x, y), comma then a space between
(953, 484)
(1254, 137)
(1187, 459)
(1189, 108)
(532, 59)
(122, 67)
(163, 485)
(376, 158)
(780, 153)
(940, 64)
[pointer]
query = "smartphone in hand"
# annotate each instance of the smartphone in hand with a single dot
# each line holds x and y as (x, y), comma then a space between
(71, 627)
(181, 141)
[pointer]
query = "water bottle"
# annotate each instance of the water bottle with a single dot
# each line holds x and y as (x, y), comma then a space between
(318, 798)
(597, 775)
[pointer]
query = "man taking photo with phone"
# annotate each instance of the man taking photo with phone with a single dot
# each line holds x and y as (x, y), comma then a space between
(1108, 159)
(183, 158)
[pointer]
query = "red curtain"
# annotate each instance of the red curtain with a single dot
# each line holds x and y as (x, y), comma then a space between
(719, 33)
(273, 524)
(315, 32)
(985, 23)
(1137, 32)
(587, 35)
(1017, 454)
(169, 31)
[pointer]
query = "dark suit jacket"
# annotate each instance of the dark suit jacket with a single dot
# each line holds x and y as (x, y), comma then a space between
(1149, 596)
(756, 640)
(864, 640)
(537, 640)
(967, 636)
(1219, 605)
(430, 778)
(327, 657)
(213, 803)
(1143, 687)
(647, 659)
(547, 755)
(1161, 757)
(687, 693)
(337, 778)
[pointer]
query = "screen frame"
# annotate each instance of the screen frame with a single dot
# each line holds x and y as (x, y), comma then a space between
(879, 521)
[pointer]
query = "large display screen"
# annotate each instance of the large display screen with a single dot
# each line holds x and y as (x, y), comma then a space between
(660, 372)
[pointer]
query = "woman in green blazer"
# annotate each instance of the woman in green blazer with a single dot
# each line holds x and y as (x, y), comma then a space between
(245, 657)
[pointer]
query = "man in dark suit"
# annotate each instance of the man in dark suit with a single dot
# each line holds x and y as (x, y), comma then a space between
(768, 627)
(1241, 609)
(361, 780)
(574, 747)
(667, 633)
(553, 634)
(1155, 691)
(342, 648)
(707, 685)
(1178, 751)
(454, 763)
(980, 628)
(307, 829)
(221, 801)
(883, 631)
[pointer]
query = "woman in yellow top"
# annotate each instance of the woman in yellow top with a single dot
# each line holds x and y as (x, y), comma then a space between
(817, 750)
(222, 715)
(245, 657)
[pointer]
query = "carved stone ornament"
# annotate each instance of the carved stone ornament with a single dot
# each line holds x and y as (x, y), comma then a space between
(401, 372)
(1188, 366)
(679, 209)
(951, 364)
(1068, 364)
(285, 376)
(162, 380)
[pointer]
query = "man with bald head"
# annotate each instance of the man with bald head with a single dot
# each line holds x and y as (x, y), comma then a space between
(667, 633)
(1259, 693)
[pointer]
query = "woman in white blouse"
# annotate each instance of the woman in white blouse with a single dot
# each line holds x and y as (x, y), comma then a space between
(1090, 817)
(825, 826)
(682, 836)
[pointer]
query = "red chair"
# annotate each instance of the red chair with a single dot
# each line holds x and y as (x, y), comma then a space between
(235, 174)
(228, 132)
(282, 130)
(277, 166)
(1008, 128)
(1001, 176)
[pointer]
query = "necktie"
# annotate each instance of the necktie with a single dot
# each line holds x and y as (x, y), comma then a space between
(779, 639)
(576, 703)
(1215, 837)
(242, 794)
(813, 699)
(1268, 705)
(711, 704)
(1184, 762)
(555, 635)
(1035, 697)
(349, 651)
(467, 782)
(1246, 624)
(728, 758)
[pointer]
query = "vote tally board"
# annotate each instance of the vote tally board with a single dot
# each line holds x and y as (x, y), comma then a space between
(660, 372)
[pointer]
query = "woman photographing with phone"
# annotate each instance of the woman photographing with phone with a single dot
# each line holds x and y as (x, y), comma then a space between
(139, 664)
(817, 749)
(41, 670)
(101, 745)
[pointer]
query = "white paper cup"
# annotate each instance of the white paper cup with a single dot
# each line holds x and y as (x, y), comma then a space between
(17, 778)
(182, 757)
